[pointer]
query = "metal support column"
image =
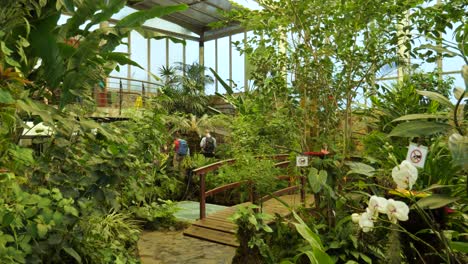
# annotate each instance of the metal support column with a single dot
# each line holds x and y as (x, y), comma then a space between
(216, 63)
(230, 61)
(246, 64)
(167, 53)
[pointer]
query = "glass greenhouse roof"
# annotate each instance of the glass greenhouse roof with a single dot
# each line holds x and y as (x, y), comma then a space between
(193, 22)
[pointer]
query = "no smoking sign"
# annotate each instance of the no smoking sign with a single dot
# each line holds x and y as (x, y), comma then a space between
(417, 155)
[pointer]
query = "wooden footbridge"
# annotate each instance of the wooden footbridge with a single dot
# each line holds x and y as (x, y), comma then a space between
(217, 228)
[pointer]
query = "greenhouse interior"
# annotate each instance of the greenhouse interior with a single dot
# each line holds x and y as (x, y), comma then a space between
(233, 131)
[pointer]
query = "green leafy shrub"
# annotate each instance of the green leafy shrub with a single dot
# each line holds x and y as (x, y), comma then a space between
(247, 168)
(36, 224)
(156, 215)
(107, 238)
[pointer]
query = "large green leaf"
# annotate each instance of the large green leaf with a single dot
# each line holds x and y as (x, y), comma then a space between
(306, 233)
(112, 7)
(5, 97)
(44, 45)
(437, 97)
(121, 58)
(228, 88)
(317, 179)
(418, 128)
(436, 201)
(69, 5)
(84, 12)
(421, 116)
(459, 246)
(438, 49)
(360, 168)
(147, 33)
(70, 251)
(138, 18)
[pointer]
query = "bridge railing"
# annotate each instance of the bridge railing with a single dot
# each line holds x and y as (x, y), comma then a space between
(120, 92)
(202, 171)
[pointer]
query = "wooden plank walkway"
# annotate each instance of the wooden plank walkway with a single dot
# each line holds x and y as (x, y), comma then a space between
(217, 228)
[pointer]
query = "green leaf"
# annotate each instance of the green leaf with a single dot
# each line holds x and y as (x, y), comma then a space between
(41, 230)
(418, 128)
(366, 258)
(228, 88)
(438, 49)
(253, 220)
(69, 4)
(317, 179)
(437, 97)
(360, 168)
(420, 116)
(70, 251)
(12, 62)
(23, 155)
(5, 97)
(459, 246)
(147, 33)
(322, 257)
(121, 58)
(4, 48)
(112, 7)
(437, 186)
(435, 201)
(43, 203)
(306, 233)
(71, 210)
(138, 18)
(7, 219)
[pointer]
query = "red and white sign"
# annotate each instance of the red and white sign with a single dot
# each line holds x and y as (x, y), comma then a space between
(417, 155)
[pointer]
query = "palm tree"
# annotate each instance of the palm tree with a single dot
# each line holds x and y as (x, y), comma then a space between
(185, 85)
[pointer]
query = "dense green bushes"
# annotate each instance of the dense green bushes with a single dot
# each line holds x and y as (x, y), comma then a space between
(86, 195)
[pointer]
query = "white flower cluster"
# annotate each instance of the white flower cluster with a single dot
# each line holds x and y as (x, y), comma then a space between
(405, 175)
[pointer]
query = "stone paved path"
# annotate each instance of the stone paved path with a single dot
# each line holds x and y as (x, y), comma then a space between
(172, 247)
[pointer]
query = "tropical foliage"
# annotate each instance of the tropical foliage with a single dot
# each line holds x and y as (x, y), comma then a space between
(90, 189)
(71, 201)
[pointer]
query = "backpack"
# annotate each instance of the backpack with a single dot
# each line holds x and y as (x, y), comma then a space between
(209, 145)
(183, 147)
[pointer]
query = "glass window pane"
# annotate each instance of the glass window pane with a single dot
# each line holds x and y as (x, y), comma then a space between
(175, 53)
(139, 54)
(455, 63)
(191, 52)
(210, 63)
(223, 61)
(158, 56)
(238, 66)
(457, 82)
(113, 82)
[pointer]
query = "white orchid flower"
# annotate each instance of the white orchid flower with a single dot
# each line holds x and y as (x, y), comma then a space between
(365, 221)
(405, 175)
(355, 218)
(377, 205)
(397, 211)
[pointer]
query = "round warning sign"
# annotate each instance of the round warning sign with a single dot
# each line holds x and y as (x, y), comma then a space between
(416, 156)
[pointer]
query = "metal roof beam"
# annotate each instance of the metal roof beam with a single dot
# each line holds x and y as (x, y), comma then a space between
(222, 32)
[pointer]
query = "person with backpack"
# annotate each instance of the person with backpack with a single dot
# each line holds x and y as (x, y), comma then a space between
(181, 150)
(208, 145)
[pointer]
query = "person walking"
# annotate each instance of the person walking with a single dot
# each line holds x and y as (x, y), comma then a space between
(181, 150)
(208, 145)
